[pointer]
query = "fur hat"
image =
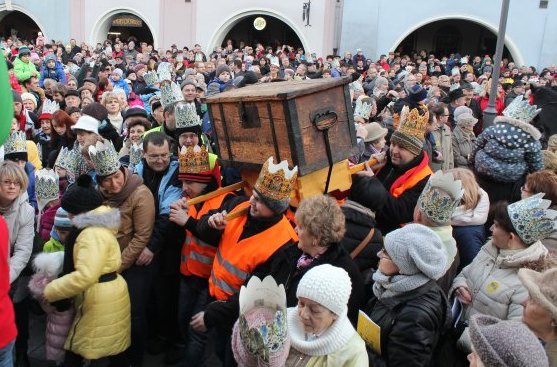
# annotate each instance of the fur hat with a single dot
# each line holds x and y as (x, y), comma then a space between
(82, 196)
(542, 288)
(466, 120)
(552, 142)
(505, 343)
(415, 249)
(327, 285)
(549, 160)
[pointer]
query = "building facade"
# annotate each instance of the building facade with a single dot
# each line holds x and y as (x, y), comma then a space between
(320, 26)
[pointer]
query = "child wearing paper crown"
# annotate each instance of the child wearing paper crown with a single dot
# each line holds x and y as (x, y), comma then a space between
(48, 266)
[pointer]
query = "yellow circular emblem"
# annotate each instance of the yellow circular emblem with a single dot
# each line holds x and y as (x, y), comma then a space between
(259, 23)
(492, 287)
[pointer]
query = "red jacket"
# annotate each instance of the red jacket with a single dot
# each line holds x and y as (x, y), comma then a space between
(15, 84)
(7, 318)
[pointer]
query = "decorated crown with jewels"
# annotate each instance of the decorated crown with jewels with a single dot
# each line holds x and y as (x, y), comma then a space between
(532, 219)
(16, 143)
(520, 109)
(68, 160)
(262, 323)
(412, 122)
(363, 107)
(170, 93)
(194, 160)
(186, 116)
(49, 107)
(164, 71)
(276, 181)
(441, 197)
(104, 157)
(151, 77)
(46, 186)
(136, 153)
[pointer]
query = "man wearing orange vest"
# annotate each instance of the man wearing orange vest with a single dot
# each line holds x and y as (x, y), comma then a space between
(246, 246)
(394, 191)
(197, 256)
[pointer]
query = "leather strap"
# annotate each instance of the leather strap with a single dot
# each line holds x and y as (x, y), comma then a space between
(362, 244)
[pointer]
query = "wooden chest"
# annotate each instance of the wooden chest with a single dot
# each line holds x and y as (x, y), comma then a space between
(287, 120)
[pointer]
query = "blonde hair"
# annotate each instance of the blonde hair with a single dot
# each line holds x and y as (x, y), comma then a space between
(471, 195)
(109, 96)
(11, 171)
(322, 217)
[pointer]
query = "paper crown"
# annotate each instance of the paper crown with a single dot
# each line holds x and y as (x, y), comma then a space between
(532, 219)
(413, 123)
(363, 107)
(276, 181)
(136, 153)
(194, 160)
(170, 93)
(46, 186)
(440, 197)
(104, 157)
(164, 71)
(520, 109)
(40, 151)
(262, 322)
(16, 143)
(186, 116)
(68, 160)
(49, 107)
(151, 77)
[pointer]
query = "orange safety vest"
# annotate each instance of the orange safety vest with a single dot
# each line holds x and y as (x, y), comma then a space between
(237, 259)
(197, 255)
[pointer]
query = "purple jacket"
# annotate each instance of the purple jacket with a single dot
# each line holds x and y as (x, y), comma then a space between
(47, 222)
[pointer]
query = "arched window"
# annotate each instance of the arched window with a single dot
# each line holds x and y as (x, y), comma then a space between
(448, 39)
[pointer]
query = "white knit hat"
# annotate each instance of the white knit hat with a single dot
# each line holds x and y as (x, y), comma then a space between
(415, 249)
(327, 285)
(87, 123)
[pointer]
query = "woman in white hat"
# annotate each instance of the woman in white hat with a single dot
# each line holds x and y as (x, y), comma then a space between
(321, 334)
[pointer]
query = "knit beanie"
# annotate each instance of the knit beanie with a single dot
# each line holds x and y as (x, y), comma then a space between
(415, 249)
(118, 71)
(81, 197)
(221, 69)
(542, 288)
(16, 97)
(61, 219)
(23, 50)
(327, 285)
(505, 343)
(139, 67)
(29, 97)
(50, 57)
(277, 206)
(417, 93)
(460, 110)
(466, 120)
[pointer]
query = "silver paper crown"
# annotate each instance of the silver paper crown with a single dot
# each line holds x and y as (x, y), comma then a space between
(165, 71)
(264, 336)
(170, 93)
(68, 160)
(532, 219)
(16, 143)
(104, 157)
(50, 106)
(136, 153)
(151, 77)
(46, 186)
(520, 109)
(186, 116)
(363, 108)
(441, 196)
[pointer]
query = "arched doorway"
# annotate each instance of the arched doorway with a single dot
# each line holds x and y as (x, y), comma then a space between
(125, 25)
(19, 24)
(274, 33)
(443, 37)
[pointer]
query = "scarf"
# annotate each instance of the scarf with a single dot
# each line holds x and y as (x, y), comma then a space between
(411, 177)
(131, 183)
(305, 260)
(391, 286)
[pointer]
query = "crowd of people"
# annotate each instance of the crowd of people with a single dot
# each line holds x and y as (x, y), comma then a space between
(115, 228)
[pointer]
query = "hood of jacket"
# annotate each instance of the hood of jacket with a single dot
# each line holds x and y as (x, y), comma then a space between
(524, 126)
(532, 257)
(103, 216)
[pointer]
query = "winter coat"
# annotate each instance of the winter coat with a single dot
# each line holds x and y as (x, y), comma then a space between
(443, 144)
(57, 74)
(15, 84)
(411, 326)
(492, 279)
(463, 144)
(508, 150)
(102, 323)
(7, 315)
(47, 222)
(137, 217)
(24, 70)
(122, 85)
(31, 195)
(108, 131)
(359, 221)
(550, 242)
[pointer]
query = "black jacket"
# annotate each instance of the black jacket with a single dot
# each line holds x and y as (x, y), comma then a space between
(107, 131)
(411, 326)
(373, 193)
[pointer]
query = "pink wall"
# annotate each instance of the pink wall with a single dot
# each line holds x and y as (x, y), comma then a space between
(77, 26)
(177, 23)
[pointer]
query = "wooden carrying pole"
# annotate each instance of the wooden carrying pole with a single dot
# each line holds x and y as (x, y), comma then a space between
(217, 192)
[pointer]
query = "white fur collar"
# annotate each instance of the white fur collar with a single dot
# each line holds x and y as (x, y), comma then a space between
(103, 216)
(530, 129)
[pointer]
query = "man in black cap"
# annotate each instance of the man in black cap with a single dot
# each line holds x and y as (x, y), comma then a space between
(72, 98)
(415, 99)
(471, 102)
(456, 99)
(517, 90)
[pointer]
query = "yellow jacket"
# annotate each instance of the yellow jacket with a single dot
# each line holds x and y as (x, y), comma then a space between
(33, 155)
(102, 322)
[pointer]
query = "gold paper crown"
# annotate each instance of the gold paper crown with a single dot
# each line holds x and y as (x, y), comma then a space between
(16, 143)
(413, 123)
(276, 181)
(194, 160)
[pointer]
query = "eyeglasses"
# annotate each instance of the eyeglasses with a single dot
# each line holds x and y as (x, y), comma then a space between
(8, 183)
(158, 157)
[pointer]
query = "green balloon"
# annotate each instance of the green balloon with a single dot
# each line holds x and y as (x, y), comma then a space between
(6, 101)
